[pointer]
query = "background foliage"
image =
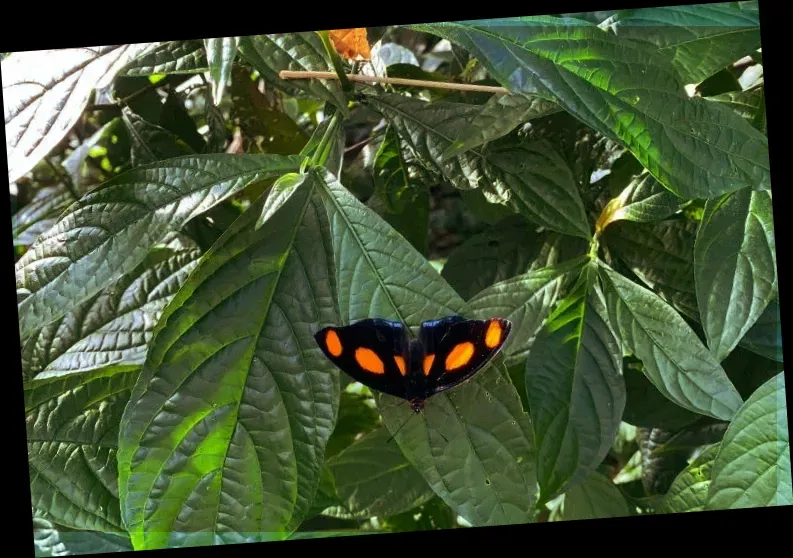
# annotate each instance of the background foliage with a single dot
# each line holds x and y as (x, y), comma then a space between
(185, 219)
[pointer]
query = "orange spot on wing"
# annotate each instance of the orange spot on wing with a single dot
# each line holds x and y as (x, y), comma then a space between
(493, 334)
(369, 361)
(428, 360)
(400, 362)
(333, 343)
(459, 356)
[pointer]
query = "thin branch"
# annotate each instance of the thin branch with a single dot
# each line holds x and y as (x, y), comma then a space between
(290, 74)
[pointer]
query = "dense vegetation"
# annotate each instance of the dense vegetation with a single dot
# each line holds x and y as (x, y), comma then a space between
(185, 220)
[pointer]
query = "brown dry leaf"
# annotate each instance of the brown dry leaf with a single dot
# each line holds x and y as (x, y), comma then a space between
(351, 43)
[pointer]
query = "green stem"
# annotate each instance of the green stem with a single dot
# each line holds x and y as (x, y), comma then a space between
(319, 156)
(335, 59)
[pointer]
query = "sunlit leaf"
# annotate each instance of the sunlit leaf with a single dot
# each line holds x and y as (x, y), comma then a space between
(625, 90)
(674, 358)
(111, 230)
(45, 92)
(223, 439)
(752, 468)
(734, 266)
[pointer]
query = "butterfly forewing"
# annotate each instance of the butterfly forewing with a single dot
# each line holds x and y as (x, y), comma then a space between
(373, 352)
(455, 349)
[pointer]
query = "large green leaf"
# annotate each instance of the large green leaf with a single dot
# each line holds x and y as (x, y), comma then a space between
(112, 327)
(373, 478)
(643, 200)
(72, 432)
(625, 90)
(52, 539)
(575, 389)
(110, 230)
(149, 141)
(734, 266)
(41, 213)
(45, 92)
(698, 40)
(221, 53)
(400, 200)
(674, 358)
(526, 300)
(470, 444)
(765, 336)
(661, 254)
(530, 178)
(689, 491)
(647, 407)
(224, 437)
(506, 250)
(302, 51)
(174, 57)
(595, 498)
(752, 468)
(496, 118)
(747, 104)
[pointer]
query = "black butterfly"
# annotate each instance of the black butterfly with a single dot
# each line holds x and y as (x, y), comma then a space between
(379, 354)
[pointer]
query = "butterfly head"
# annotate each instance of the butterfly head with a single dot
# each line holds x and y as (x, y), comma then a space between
(417, 404)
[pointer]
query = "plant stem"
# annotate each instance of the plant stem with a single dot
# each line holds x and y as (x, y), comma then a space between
(291, 74)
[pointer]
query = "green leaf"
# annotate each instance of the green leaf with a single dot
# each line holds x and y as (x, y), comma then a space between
(172, 57)
(220, 55)
(224, 437)
(647, 407)
(752, 468)
(643, 200)
(575, 389)
(483, 209)
(697, 40)
(272, 131)
(373, 478)
(470, 444)
(113, 327)
(594, 498)
(303, 51)
(674, 358)
(625, 90)
(531, 179)
(51, 539)
(498, 117)
(400, 200)
(747, 104)
(72, 431)
(661, 254)
(689, 490)
(111, 229)
(765, 336)
(511, 248)
(357, 416)
(40, 214)
(45, 92)
(526, 300)
(151, 142)
(734, 266)
(330, 138)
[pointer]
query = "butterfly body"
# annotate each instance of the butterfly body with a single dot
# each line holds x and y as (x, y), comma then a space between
(380, 354)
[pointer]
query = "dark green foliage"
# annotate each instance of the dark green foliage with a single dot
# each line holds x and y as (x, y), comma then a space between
(177, 254)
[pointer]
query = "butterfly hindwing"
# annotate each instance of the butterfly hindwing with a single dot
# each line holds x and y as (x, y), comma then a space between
(455, 348)
(373, 352)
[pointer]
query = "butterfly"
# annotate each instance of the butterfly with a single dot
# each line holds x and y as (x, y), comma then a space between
(379, 354)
